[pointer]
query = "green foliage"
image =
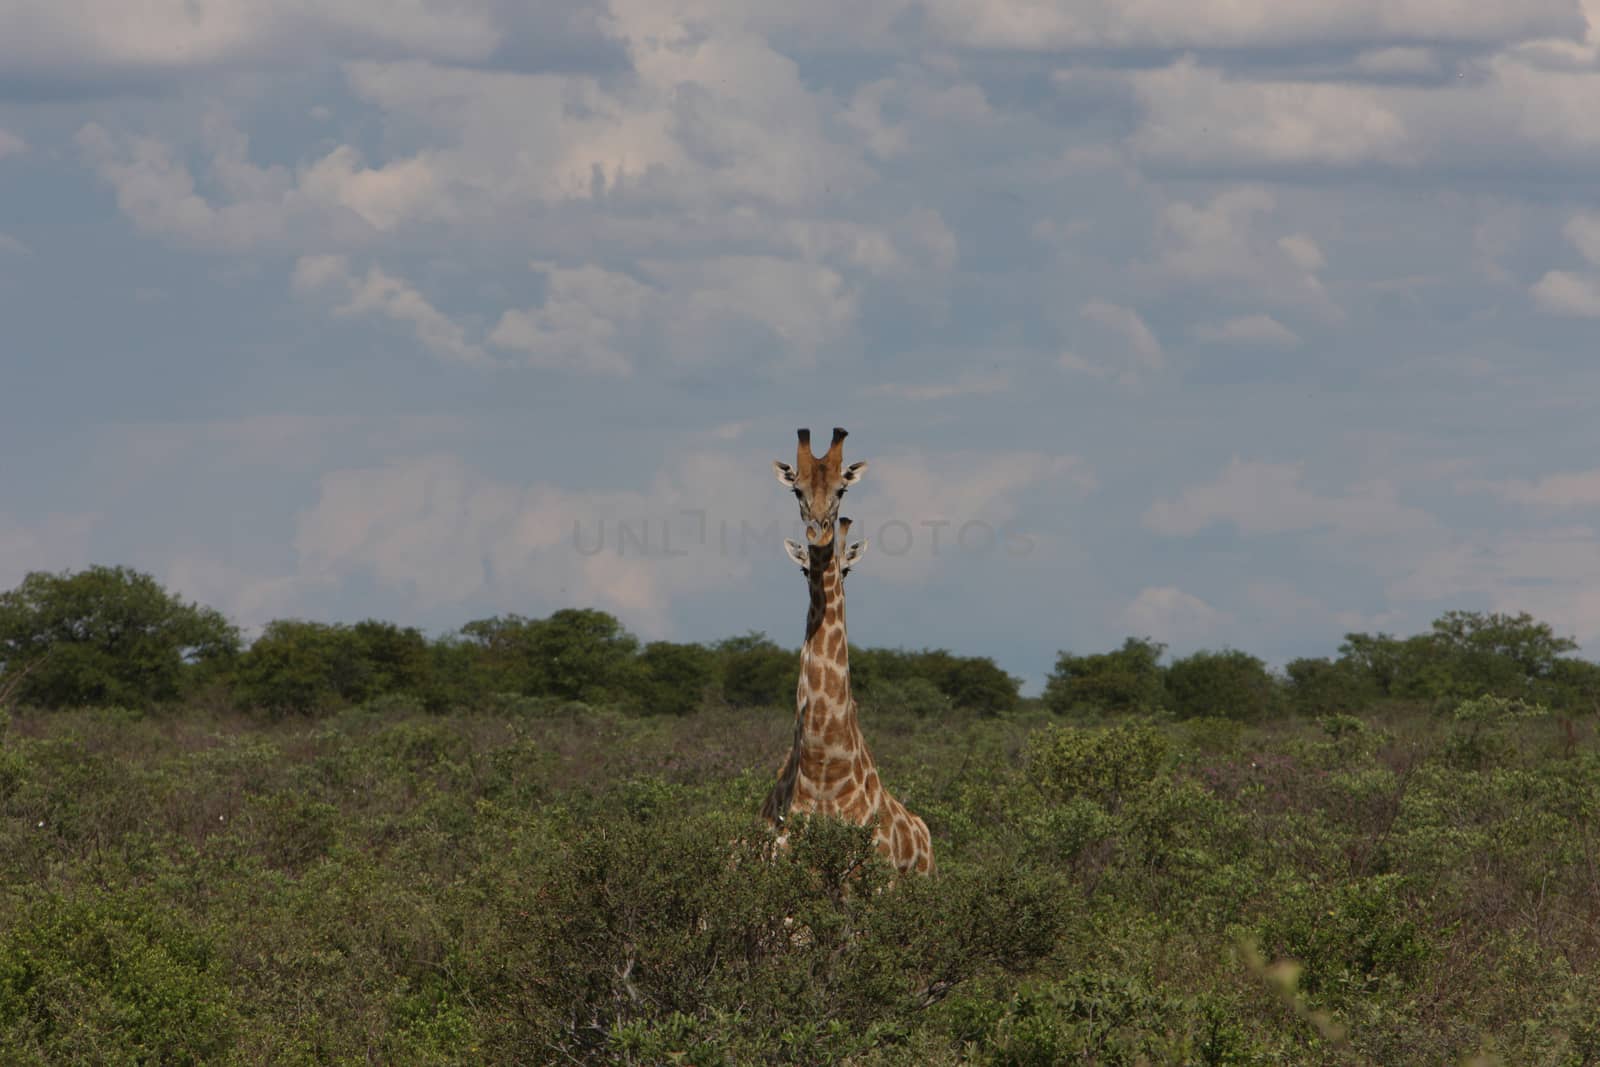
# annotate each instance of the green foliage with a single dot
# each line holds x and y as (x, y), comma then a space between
(575, 654)
(756, 672)
(1469, 653)
(895, 676)
(311, 667)
(1325, 687)
(105, 635)
(1104, 1019)
(1484, 730)
(1230, 684)
(916, 696)
(1107, 765)
(1129, 679)
(102, 976)
(592, 885)
(550, 874)
(673, 679)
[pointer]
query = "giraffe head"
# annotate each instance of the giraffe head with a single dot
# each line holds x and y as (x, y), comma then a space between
(821, 554)
(819, 484)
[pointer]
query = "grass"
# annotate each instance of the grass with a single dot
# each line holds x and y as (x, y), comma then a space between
(547, 882)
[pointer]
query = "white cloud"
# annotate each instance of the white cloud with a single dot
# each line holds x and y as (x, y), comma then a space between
(333, 202)
(383, 197)
(1249, 330)
(11, 144)
(446, 534)
(1553, 574)
(590, 317)
(1125, 345)
(379, 293)
(1206, 118)
(714, 117)
(1108, 24)
(931, 498)
(249, 599)
(1583, 230)
(1562, 292)
(1268, 498)
(1197, 116)
(10, 245)
(108, 38)
(691, 312)
(1229, 245)
(1171, 616)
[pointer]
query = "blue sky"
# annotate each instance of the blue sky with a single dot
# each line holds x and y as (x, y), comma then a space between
(1236, 326)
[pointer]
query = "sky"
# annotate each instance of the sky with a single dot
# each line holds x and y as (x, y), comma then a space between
(1233, 326)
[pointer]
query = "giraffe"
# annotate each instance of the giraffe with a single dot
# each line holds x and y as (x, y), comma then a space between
(829, 769)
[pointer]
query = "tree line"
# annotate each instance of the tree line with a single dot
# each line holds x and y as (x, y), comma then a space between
(115, 636)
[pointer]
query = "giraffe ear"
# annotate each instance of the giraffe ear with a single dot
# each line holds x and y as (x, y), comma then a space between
(799, 553)
(853, 473)
(852, 555)
(784, 472)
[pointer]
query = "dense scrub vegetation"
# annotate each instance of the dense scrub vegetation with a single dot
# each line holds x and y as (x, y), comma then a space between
(535, 841)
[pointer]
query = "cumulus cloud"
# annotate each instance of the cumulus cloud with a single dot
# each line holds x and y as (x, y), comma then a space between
(1171, 616)
(84, 42)
(1514, 114)
(1553, 574)
(1561, 292)
(1233, 246)
(1260, 498)
(691, 312)
(446, 534)
(1123, 345)
(332, 202)
(959, 501)
(1198, 116)
(381, 294)
(1174, 24)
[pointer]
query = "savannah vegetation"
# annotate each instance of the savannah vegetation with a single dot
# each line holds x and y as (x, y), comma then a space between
(535, 841)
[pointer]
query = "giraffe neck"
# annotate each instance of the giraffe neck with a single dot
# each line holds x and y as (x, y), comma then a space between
(823, 702)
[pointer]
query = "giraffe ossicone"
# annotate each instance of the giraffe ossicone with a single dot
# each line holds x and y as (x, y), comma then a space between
(829, 770)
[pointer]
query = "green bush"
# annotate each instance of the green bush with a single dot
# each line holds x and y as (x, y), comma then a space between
(1106, 765)
(673, 679)
(1231, 684)
(1129, 679)
(110, 976)
(757, 673)
(105, 635)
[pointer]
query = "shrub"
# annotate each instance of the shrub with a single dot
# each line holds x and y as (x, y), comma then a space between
(756, 672)
(105, 971)
(1106, 765)
(673, 679)
(105, 635)
(1231, 684)
(1128, 679)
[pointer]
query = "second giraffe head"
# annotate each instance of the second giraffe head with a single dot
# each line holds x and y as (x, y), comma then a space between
(819, 484)
(820, 556)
